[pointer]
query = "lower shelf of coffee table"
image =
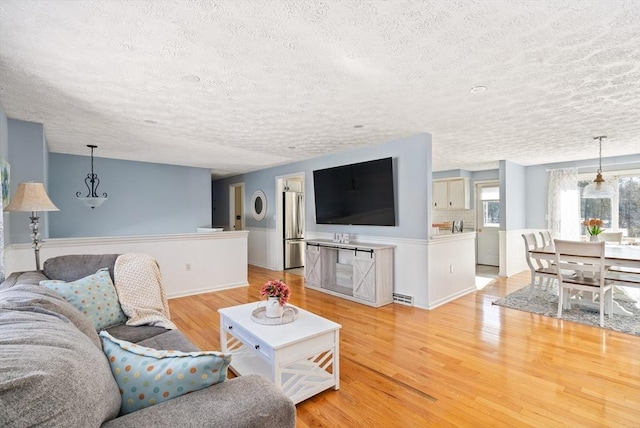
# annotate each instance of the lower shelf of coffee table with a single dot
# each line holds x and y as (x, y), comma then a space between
(299, 379)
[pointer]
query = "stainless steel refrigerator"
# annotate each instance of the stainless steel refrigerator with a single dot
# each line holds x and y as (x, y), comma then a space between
(293, 203)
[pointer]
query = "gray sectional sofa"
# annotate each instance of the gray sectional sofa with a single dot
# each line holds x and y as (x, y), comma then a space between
(53, 371)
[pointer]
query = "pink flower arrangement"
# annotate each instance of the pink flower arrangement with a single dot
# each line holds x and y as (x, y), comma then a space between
(276, 288)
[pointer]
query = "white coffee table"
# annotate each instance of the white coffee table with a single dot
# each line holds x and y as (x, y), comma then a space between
(301, 358)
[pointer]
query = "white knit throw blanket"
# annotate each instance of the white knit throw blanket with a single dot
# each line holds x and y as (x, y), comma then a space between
(139, 286)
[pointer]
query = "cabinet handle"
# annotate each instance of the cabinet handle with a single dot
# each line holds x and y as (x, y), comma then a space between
(257, 346)
(230, 327)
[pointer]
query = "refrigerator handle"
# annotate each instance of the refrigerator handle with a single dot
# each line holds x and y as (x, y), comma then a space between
(300, 216)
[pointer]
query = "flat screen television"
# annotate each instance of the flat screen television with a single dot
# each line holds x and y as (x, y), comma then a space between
(357, 194)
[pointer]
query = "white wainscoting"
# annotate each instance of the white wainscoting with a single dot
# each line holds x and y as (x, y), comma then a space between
(410, 269)
(452, 268)
(421, 266)
(262, 247)
(512, 258)
(190, 263)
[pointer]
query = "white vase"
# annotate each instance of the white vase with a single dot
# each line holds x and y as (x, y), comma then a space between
(594, 238)
(273, 308)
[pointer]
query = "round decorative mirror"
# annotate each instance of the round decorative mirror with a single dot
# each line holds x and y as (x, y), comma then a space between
(258, 205)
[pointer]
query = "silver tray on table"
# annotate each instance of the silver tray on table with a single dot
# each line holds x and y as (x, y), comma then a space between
(289, 314)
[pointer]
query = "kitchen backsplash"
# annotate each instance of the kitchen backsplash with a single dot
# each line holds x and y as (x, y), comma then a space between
(448, 216)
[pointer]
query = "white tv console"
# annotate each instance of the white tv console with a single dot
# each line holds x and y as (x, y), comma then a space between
(356, 271)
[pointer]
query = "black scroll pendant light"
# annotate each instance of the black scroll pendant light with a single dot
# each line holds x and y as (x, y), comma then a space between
(92, 182)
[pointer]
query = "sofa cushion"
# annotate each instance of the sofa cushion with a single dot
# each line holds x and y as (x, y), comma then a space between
(34, 298)
(94, 296)
(71, 267)
(51, 374)
(135, 334)
(241, 402)
(19, 278)
(170, 339)
(147, 376)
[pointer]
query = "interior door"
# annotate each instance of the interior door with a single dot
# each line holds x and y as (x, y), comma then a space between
(237, 225)
(236, 206)
(488, 221)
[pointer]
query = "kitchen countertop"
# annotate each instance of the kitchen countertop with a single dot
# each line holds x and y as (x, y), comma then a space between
(448, 235)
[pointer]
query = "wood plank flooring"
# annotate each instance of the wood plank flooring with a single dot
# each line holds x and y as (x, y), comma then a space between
(465, 364)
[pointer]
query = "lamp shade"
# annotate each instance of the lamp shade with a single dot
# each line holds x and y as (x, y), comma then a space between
(92, 202)
(598, 189)
(31, 197)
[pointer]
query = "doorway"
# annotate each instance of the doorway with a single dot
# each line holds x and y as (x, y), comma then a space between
(287, 183)
(236, 206)
(488, 223)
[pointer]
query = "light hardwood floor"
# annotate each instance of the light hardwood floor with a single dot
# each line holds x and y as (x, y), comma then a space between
(467, 363)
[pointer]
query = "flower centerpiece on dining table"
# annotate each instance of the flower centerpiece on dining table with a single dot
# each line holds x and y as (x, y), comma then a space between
(277, 294)
(594, 227)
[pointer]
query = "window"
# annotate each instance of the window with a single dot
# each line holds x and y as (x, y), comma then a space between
(490, 197)
(620, 213)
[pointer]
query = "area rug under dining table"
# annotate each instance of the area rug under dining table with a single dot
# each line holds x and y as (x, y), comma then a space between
(545, 302)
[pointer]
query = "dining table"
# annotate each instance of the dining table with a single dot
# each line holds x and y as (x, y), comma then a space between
(618, 256)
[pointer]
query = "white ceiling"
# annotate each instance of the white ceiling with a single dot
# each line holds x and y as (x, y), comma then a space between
(282, 81)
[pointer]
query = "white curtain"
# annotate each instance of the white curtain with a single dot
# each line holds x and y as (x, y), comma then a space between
(564, 204)
(1, 237)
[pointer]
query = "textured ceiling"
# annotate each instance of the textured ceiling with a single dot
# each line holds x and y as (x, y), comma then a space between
(282, 81)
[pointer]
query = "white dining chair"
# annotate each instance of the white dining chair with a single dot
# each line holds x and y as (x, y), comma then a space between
(546, 238)
(615, 237)
(537, 267)
(586, 262)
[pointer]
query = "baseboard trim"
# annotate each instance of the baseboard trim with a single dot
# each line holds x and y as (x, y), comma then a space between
(452, 297)
(206, 290)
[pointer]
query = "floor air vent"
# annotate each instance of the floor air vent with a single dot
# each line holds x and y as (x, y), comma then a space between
(403, 299)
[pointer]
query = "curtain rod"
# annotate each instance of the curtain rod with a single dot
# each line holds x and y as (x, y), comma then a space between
(635, 165)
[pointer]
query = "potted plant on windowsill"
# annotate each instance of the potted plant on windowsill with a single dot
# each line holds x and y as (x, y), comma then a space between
(594, 228)
(277, 294)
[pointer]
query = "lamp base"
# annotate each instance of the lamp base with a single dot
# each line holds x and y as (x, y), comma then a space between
(35, 237)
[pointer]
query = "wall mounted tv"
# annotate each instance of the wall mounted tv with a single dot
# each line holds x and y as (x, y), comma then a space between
(357, 194)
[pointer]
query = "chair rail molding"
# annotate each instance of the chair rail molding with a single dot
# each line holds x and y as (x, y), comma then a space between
(190, 263)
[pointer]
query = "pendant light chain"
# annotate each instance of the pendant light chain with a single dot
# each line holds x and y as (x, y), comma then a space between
(599, 188)
(600, 152)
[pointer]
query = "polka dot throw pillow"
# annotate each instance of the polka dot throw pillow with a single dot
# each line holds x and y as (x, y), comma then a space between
(148, 376)
(94, 295)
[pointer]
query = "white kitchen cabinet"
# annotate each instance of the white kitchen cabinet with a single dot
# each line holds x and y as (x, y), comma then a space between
(359, 272)
(451, 193)
(440, 194)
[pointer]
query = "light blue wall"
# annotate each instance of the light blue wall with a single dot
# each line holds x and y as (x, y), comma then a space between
(490, 174)
(4, 154)
(412, 168)
(4, 135)
(452, 173)
(27, 154)
(537, 182)
(144, 198)
(512, 196)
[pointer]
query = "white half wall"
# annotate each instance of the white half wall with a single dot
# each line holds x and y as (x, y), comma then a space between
(190, 263)
(512, 257)
(452, 268)
(514, 260)
(262, 244)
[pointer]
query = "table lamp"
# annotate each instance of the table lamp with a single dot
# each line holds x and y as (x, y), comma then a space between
(31, 197)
